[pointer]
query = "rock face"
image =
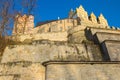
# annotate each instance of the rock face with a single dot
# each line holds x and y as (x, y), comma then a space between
(86, 51)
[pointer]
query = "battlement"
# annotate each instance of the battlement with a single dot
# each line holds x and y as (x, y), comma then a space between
(25, 24)
(83, 16)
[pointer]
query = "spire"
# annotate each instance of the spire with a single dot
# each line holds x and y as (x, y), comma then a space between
(71, 13)
(102, 20)
(93, 18)
(101, 15)
(81, 13)
(71, 10)
(81, 8)
(92, 14)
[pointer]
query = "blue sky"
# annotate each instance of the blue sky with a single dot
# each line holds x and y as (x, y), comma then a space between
(51, 9)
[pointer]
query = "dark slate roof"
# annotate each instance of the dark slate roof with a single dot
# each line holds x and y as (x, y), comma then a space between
(44, 22)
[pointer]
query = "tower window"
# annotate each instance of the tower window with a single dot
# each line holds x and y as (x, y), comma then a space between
(60, 21)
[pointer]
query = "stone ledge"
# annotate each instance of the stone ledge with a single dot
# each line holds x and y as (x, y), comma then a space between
(111, 50)
(78, 62)
(100, 37)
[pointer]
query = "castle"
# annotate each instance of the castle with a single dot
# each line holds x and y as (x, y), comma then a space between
(80, 47)
(75, 18)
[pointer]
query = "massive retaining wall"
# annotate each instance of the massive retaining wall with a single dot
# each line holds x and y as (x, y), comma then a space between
(22, 71)
(46, 52)
(112, 49)
(82, 71)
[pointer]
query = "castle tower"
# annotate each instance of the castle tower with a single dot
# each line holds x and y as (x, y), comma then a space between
(29, 25)
(71, 13)
(82, 14)
(102, 20)
(23, 24)
(93, 18)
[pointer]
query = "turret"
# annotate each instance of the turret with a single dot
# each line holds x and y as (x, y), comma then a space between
(81, 13)
(93, 18)
(71, 13)
(102, 20)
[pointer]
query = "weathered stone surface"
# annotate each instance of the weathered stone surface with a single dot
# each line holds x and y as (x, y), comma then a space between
(23, 24)
(102, 36)
(78, 71)
(111, 50)
(94, 52)
(59, 36)
(22, 71)
(46, 52)
(77, 37)
(102, 20)
(7, 77)
(90, 32)
(94, 30)
(66, 41)
(93, 18)
(82, 14)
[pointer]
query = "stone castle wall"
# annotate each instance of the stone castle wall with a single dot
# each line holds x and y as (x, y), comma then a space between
(82, 71)
(56, 26)
(112, 49)
(43, 52)
(53, 36)
(22, 71)
(88, 50)
(76, 47)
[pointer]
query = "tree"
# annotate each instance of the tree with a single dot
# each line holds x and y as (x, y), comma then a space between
(6, 18)
(29, 5)
(8, 13)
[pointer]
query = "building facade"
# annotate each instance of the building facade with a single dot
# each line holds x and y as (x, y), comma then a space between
(80, 47)
(25, 24)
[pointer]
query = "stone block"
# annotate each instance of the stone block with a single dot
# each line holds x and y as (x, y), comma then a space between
(91, 31)
(48, 51)
(6, 77)
(82, 71)
(99, 37)
(94, 30)
(111, 50)
(22, 71)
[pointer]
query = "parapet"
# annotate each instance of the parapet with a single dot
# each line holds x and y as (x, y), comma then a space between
(102, 20)
(93, 18)
(83, 18)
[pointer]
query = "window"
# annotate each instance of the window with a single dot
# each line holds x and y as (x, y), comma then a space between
(60, 21)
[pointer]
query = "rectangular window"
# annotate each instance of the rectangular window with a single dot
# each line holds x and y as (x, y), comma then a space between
(60, 21)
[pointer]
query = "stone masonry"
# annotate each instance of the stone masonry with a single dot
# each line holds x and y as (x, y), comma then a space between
(80, 47)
